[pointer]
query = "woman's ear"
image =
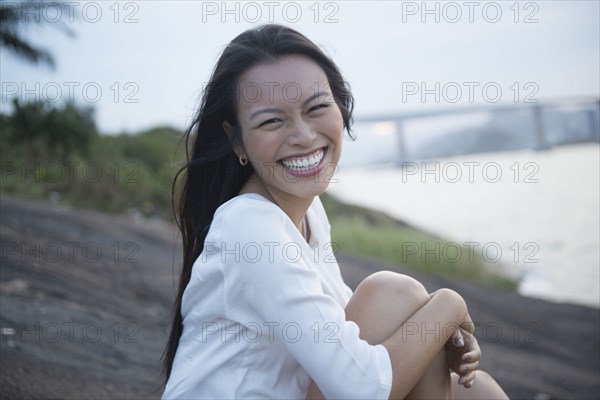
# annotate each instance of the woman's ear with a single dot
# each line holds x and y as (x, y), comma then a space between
(229, 130)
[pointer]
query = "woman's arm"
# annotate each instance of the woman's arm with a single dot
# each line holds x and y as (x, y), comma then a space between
(418, 341)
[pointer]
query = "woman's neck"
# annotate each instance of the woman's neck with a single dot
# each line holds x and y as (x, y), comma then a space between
(295, 207)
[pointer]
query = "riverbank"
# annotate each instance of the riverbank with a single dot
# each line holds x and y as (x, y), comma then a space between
(89, 324)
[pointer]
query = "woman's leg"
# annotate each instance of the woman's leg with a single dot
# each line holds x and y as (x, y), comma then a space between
(380, 306)
(484, 388)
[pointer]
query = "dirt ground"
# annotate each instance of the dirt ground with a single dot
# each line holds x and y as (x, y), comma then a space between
(85, 299)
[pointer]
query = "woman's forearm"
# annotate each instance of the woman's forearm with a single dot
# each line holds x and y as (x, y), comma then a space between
(417, 342)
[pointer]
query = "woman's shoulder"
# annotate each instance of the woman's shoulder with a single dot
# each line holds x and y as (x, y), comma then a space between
(246, 207)
(253, 205)
(252, 213)
(248, 215)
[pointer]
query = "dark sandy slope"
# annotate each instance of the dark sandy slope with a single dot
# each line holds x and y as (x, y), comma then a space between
(77, 324)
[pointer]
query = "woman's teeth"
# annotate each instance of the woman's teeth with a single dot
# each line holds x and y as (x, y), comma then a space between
(299, 164)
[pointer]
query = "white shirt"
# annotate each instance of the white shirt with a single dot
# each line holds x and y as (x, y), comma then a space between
(264, 311)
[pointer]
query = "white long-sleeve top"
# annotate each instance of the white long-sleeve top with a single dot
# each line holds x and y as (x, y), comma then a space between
(264, 312)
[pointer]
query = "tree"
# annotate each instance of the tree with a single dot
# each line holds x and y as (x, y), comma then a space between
(58, 131)
(11, 17)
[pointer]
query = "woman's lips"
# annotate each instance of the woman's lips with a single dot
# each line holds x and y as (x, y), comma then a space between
(306, 165)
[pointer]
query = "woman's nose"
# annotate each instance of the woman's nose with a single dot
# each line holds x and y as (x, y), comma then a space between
(302, 134)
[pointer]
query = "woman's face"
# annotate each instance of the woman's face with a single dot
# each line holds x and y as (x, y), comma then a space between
(291, 126)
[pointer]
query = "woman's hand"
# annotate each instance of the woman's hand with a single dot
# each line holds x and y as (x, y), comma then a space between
(463, 354)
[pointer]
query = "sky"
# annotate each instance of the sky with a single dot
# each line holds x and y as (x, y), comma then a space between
(144, 63)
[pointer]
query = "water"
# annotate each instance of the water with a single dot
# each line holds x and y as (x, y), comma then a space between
(537, 214)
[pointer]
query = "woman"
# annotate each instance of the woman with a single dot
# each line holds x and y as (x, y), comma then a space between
(262, 310)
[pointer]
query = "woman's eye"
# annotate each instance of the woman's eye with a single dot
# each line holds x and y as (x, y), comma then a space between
(269, 122)
(318, 106)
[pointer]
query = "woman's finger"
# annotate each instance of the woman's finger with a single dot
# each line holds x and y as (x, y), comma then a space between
(472, 355)
(466, 379)
(458, 339)
(468, 367)
(473, 351)
(468, 336)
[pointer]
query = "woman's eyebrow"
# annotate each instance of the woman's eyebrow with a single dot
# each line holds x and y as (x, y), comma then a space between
(315, 96)
(265, 110)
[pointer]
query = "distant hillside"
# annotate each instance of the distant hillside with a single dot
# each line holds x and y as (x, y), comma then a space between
(512, 131)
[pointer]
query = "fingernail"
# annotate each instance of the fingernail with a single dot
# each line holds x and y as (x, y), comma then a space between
(458, 341)
(466, 358)
(464, 369)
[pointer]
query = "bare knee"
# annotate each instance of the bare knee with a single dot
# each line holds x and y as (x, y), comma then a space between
(484, 387)
(388, 283)
(482, 376)
(383, 302)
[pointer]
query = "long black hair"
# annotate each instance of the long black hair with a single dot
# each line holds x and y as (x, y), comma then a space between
(213, 173)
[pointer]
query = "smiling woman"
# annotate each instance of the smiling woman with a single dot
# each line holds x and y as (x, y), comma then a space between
(289, 140)
(262, 310)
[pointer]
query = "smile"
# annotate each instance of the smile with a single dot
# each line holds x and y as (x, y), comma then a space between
(305, 163)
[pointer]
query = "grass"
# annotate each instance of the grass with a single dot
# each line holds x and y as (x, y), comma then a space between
(119, 173)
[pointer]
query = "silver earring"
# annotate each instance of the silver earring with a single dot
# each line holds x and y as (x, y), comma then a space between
(243, 160)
